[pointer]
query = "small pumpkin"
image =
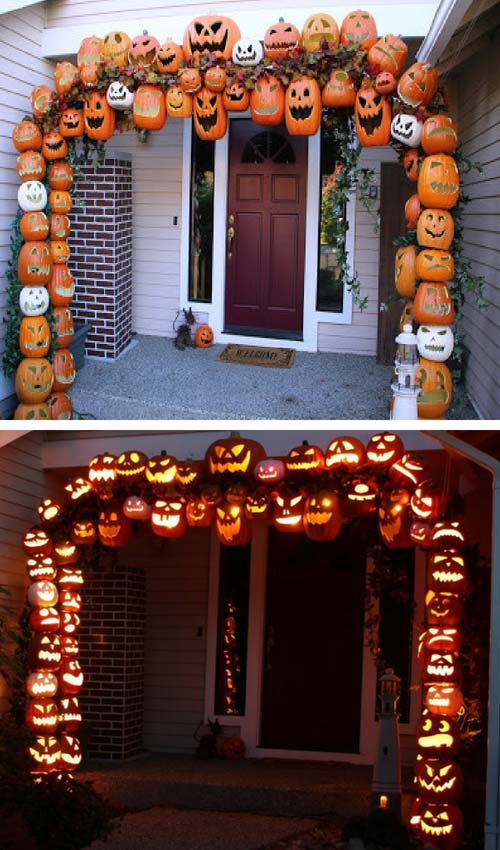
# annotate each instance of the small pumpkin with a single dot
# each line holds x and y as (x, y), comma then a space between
(236, 97)
(63, 322)
(59, 251)
(190, 80)
(412, 163)
(60, 201)
(413, 209)
(385, 82)
(60, 226)
(60, 407)
(64, 370)
(60, 175)
(32, 411)
(233, 748)
(204, 336)
(215, 78)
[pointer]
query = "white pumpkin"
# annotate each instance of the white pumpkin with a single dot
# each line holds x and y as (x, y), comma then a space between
(34, 300)
(32, 196)
(119, 96)
(248, 52)
(435, 342)
(43, 594)
(406, 129)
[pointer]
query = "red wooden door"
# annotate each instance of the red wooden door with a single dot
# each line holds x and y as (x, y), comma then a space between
(266, 231)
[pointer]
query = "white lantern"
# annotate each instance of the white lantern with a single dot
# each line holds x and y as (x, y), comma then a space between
(435, 342)
(119, 96)
(32, 196)
(406, 129)
(43, 594)
(34, 300)
(248, 52)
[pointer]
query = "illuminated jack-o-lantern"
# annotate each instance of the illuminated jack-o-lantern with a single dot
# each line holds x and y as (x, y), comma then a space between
(70, 600)
(441, 825)
(439, 781)
(443, 609)
(70, 715)
(45, 620)
(446, 572)
(161, 470)
(271, 470)
(45, 752)
(288, 512)
(41, 567)
(65, 551)
(394, 518)
(36, 541)
(361, 497)
(234, 455)
(70, 676)
(70, 646)
(259, 504)
(189, 473)
(408, 470)
(211, 494)
(441, 638)
(113, 527)
(448, 535)
(70, 622)
(345, 453)
(135, 507)
(438, 736)
(322, 515)
(69, 578)
(420, 533)
(444, 699)
(427, 501)
(83, 532)
(71, 754)
(384, 449)
(305, 458)
(42, 684)
(102, 473)
(42, 716)
(43, 594)
(77, 489)
(168, 517)
(232, 525)
(441, 665)
(49, 510)
(236, 493)
(45, 652)
(131, 465)
(199, 514)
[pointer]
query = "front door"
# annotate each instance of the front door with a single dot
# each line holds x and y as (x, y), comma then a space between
(265, 231)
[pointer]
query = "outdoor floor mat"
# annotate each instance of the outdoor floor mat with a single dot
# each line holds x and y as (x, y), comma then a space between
(256, 355)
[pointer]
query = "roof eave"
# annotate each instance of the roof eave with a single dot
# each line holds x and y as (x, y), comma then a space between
(446, 20)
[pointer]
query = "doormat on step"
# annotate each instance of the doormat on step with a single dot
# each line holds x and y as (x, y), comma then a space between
(256, 355)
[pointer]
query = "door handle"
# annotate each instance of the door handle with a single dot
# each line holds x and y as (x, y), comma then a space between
(230, 237)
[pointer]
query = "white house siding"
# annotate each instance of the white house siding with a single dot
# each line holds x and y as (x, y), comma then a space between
(478, 100)
(22, 487)
(21, 69)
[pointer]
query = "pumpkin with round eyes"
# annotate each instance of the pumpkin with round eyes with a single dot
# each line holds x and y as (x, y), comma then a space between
(189, 473)
(322, 515)
(204, 336)
(438, 736)
(439, 135)
(435, 229)
(394, 518)
(358, 29)
(113, 527)
(210, 117)
(34, 264)
(43, 594)
(412, 163)
(199, 514)
(77, 489)
(70, 622)
(45, 752)
(320, 29)
(439, 182)
(436, 389)
(34, 336)
(42, 98)
(71, 124)
(233, 455)
(388, 54)
(135, 507)
(34, 380)
(444, 699)
(384, 449)
(168, 517)
(161, 470)
(407, 471)
(215, 78)
(339, 90)
(413, 209)
(36, 541)
(149, 109)
(345, 453)
(98, 116)
(30, 165)
(54, 146)
(449, 535)
(206, 34)
(439, 781)
(50, 510)
(41, 567)
(44, 651)
(130, 466)
(27, 136)
(115, 47)
(179, 103)
(42, 716)
(361, 497)
(236, 97)
(267, 101)
(190, 80)
(385, 82)
(270, 470)
(60, 175)
(232, 524)
(433, 304)
(281, 39)
(305, 458)
(259, 504)
(70, 716)
(34, 226)
(435, 265)
(70, 676)
(143, 51)
(288, 511)
(443, 609)
(372, 116)
(446, 572)
(418, 85)
(303, 107)
(45, 620)
(168, 57)
(70, 577)
(428, 500)
(405, 276)
(42, 684)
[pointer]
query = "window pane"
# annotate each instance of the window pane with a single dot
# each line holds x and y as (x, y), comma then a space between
(234, 583)
(201, 216)
(330, 293)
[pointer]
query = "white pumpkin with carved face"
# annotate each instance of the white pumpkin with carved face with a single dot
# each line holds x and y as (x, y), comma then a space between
(435, 342)
(32, 196)
(34, 300)
(406, 129)
(119, 96)
(248, 52)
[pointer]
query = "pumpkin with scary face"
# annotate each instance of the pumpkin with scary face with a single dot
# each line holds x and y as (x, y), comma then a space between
(418, 85)
(440, 825)
(70, 676)
(435, 229)
(318, 30)
(435, 265)
(45, 620)
(42, 716)
(433, 304)
(40, 566)
(36, 541)
(102, 475)
(361, 497)
(412, 163)
(436, 392)
(50, 510)
(303, 107)
(345, 453)
(70, 578)
(232, 525)
(211, 494)
(358, 29)
(44, 651)
(161, 470)
(407, 471)
(394, 518)
(339, 90)
(206, 34)
(281, 39)
(236, 97)
(234, 455)
(259, 504)
(113, 527)
(435, 342)
(444, 699)
(405, 276)
(65, 551)
(70, 622)
(149, 108)
(71, 124)
(446, 572)
(439, 182)
(210, 117)
(64, 370)
(131, 466)
(305, 458)
(406, 129)
(189, 473)
(322, 515)
(27, 136)
(439, 781)
(135, 507)
(440, 665)
(288, 511)
(388, 54)
(30, 165)
(168, 57)
(119, 96)
(34, 336)
(247, 52)
(45, 752)
(98, 116)
(34, 264)
(70, 716)
(179, 103)
(443, 609)
(199, 514)
(54, 146)
(427, 500)
(71, 754)
(441, 638)
(448, 534)
(267, 101)
(42, 684)
(115, 47)
(77, 489)
(168, 517)
(384, 449)
(372, 115)
(143, 50)
(439, 134)
(438, 736)
(34, 380)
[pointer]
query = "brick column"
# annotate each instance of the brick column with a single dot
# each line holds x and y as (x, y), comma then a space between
(101, 258)
(112, 659)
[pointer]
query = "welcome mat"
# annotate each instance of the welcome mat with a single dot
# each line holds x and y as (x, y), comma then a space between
(256, 355)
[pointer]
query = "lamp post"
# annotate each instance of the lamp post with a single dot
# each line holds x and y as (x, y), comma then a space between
(404, 389)
(386, 786)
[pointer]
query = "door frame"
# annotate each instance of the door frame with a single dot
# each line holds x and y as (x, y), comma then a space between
(213, 313)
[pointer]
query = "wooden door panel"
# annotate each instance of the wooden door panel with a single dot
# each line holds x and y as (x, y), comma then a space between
(250, 187)
(247, 245)
(284, 189)
(283, 263)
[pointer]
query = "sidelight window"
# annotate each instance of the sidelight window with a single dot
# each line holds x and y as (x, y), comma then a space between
(330, 290)
(201, 220)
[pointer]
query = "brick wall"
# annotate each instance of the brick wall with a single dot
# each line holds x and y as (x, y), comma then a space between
(112, 659)
(101, 258)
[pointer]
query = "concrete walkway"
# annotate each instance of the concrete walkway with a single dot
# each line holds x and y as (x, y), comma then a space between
(153, 380)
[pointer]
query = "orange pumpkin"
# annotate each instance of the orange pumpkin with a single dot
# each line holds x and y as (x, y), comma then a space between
(34, 379)
(34, 264)
(27, 136)
(71, 123)
(99, 116)
(236, 97)
(303, 107)
(439, 182)
(60, 201)
(385, 82)
(418, 84)
(412, 163)
(281, 39)
(32, 411)
(190, 80)
(149, 110)
(66, 75)
(215, 34)
(179, 103)
(359, 29)
(372, 116)
(433, 304)
(63, 322)
(318, 29)
(143, 50)
(60, 226)
(54, 146)
(59, 251)
(388, 54)
(115, 47)
(30, 165)
(89, 58)
(435, 229)
(436, 385)
(61, 285)
(64, 370)
(34, 226)
(439, 135)
(60, 175)
(215, 78)
(168, 57)
(41, 100)
(433, 264)
(204, 336)
(412, 211)
(34, 336)
(405, 276)
(267, 101)
(210, 117)
(339, 90)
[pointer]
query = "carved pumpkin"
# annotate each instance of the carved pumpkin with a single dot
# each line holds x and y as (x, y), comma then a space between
(215, 34)
(303, 107)
(233, 455)
(65, 551)
(267, 101)
(115, 47)
(190, 80)
(60, 201)
(70, 622)
(30, 165)
(131, 466)
(443, 609)
(418, 84)
(440, 638)
(199, 514)
(83, 532)
(319, 29)
(435, 229)
(385, 82)
(70, 676)
(98, 116)
(149, 109)
(435, 265)
(77, 489)
(70, 646)
(70, 577)
(441, 825)
(63, 322)
(42, 716)
(142, 51)
(440, 665)
(32, 411)
(372, 115)
(189, 473)
(59, 251)
(281, 39)
(42, 684)
(358, 29)
(34, 380)
(60, 175)
(168, 517)
(54, 146)
(406, 129)
(247, 52)
(427, 500)
(305, 458)
(27, 136)
(70, 716)
(384, 449)
(119, 96)
(236, 97)
(439, 781)
(439, 135)
(89, 59)
(322, 515)
(259, 504)
(233, 748)
(339, 90)
(34, 264)
(45, 752)
(388, 54)
(34, 300)
(43, 594)
(179, 103)
(34, 226)
(40, 566)
(436, 389)
(113, 527)
(288, 511)
(64, 370)
(444, 699)
(232, 524)
(204, 336)
(439, 182)
(66, 75)
(446, 572)
(438, 736)
(42, 98)
(435, 342)
(45, 620)
(433, 304)
(37, 541)
(412, 164)
(71, 123)
(394, 518)
(407, 471)
(44, 651)
(448, 534)
(361, 497)
(210, 117)
(168, 57)
(60, 226)
(71, 754)
(215, 78)
(211, 494)
(345, 453)
(50, 510)
(270, 470)
(405, 275)
(34, 336)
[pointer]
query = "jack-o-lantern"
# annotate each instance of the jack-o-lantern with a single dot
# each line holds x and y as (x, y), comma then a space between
(89, 52)
(433, 304)
(232, 525)
(30, 165)
(32, 196)
(438, 736)
(42, 716)
(427, 500)
(441, 825)
(33, 300)
(42, 98)
(34, 336)
(168, 517)
(388, 54)
(135, 507)
(42, 684)
(215, 78)
(70, 599)
(288, 511)
(215, 34)
(70, 646)
(54, 146)
(305, 458)
(320, 29)
(70, 577)
(211, 495)
(36, 541)
(161, 470)
(102, 475)
(322, 515)
(233, 455)
(199, 514)
(142, 51)
(233, 748)
(236, 97)
(446, 572)
(71, 123)
(372, 115)
(189, 473)
(34, 226)
(210, 117)
(40, 567)
(190, 80)
(439, 135)
(43, 594)
(27, 136)
(70, 622)
(358, 29)
(236, 493)
(439, 781)
(64, 370)
(259, 504)
(443, 609)
(247, 52)
(63, 323)
(71, 754)
(60, 175)
(361, 497)
(59, 404)
(204, 336)
(413, 208)
(439, 182)
(412, 163)
(435, 229)
(65, 551)
(440, 665)
(407, 471)
(448, 534)
(434, 265)
(418, 85)
(179, 103)
(441, 638)
(444, 699)
(168, 57)
(50, 510)
(281, 39)
(270, 470)
(435, 342)
(339, 90)
(45, 620)
(394, 518)
(77, 489)
(384, 449)
(303, 107)
(113, 527)
(98, 116)
(45, 752)
(267, 101)
(44, 651)
(405, 276)
(34, 264)
(60, 226)
(385, 82)
(119, 96)
(345, 453)
(70, 676)
(70, 716)
(149, 109)
(436, 386)
(406, 129)
(115, 47)
(131, 466)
